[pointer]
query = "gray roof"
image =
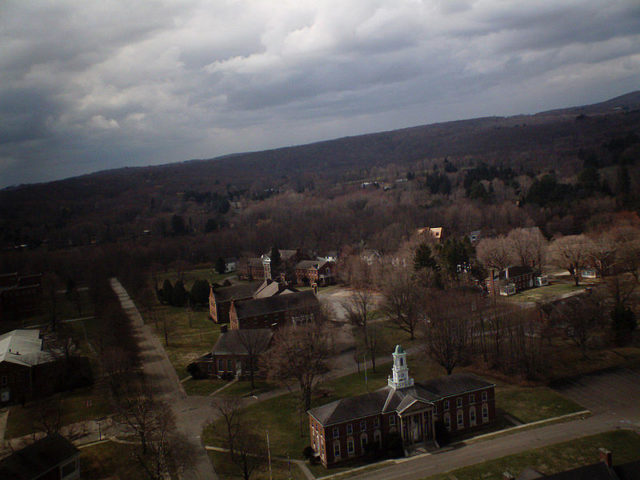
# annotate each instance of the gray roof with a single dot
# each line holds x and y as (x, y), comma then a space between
(454, 384)
(235, 342)
(235, 292)
(307, 264)
(23, 347)
(279, 303)
(38, 458)
(388, 399)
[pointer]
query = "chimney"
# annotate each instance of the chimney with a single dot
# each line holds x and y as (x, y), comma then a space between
(508, 476)
(506, 273)
(605, 456)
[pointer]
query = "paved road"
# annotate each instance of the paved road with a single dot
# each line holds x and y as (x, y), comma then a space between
(612, 396)
(190, 413)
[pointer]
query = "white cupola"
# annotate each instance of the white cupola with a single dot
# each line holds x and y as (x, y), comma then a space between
(400, 372)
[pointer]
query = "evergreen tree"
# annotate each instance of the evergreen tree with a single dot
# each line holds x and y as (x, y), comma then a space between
(166, 294)
(423, 258)
(221, 265)
(179, 297)
(623, 323)
(200, 292)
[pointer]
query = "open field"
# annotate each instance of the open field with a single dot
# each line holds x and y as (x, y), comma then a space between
(109, 460)
(189, 276)
(280, 469)
(532, 404)
(75, 406)
(190, 334)
(624, 444)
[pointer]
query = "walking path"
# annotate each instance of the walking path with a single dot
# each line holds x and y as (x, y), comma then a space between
(165, 383)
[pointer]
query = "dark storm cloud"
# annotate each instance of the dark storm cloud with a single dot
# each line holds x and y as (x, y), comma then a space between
(91, 85)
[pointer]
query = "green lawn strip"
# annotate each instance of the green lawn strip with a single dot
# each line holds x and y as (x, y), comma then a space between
(549, 292)
(533, 404)
(109, 460)
(189, 338)
(243, 388)
(226, 470)
(203, 387)
(77, 405)
(624, 444)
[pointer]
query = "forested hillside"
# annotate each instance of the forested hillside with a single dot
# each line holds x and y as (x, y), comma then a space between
(562, 170)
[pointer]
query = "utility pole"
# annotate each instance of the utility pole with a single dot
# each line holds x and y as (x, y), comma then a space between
(269, 456)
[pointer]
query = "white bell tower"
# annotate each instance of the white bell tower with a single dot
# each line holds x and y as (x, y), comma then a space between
(400, 372)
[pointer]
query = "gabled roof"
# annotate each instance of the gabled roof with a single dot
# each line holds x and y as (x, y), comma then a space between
(235, 292)
(38, 458)
(23, 347)
(351, 408)
(279, 303)
(388, 399)
(307, 264)
(270, 288)
(454, 384)
(235, 342)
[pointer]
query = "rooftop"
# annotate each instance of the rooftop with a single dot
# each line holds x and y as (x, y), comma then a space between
(23, 347)
(38, 458)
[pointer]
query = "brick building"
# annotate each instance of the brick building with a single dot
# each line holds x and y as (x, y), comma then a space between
(220, 298)
(20, 296)
(320, 272)
(275, 311)
(234, 352)
(259, 268)
(514, 279)
(340, 431)
(26, 370)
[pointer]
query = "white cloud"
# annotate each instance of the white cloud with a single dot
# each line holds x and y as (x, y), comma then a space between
(167, 81)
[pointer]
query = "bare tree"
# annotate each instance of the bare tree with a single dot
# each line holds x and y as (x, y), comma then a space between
(255, 342)
(448, 327)
(246, 447)
(582, 318)
(300, 354)
(360, 311)
(402, 300)
(527, 246)
(493, 253)
(570, 253)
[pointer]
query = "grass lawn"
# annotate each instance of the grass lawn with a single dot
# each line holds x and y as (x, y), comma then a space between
(190, 276)
(545, 294)
(109, 460)
(533, 404)
(76, 406)
(624, 444)
(191, 334)
(226, 470)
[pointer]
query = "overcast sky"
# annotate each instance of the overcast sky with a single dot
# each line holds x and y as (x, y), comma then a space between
(91, 85)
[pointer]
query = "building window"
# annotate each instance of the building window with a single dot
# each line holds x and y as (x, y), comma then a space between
(377, 437)
(472, 398)
(350, 446)
(460, 416)
(392, 420)
(349, 429)
(485, 413)
(336, 432)
(376, 422)
(364, 439)
(459, 402)
(4, 380)
(220, 365)
(363, 425)
(484, 396)
(446, 405)
(336, 449)
(472, 416)
(435, 409)
(447, 421)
